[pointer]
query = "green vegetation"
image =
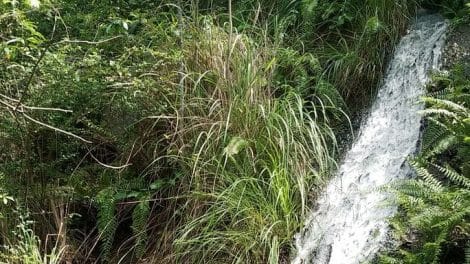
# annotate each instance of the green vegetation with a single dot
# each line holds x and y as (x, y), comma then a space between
(433, 225)
(452, 9)
(177, 131)
(436, 206)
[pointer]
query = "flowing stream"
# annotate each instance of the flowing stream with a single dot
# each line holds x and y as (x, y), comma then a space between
(349, 224)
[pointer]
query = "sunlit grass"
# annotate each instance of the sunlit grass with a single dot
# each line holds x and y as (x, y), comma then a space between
(250, 159)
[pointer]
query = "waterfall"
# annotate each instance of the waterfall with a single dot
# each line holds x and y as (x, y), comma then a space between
(349, 224)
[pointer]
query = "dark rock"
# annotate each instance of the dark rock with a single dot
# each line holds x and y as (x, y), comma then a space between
(457, 48)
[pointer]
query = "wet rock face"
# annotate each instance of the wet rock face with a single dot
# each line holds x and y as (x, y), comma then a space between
(457, 48)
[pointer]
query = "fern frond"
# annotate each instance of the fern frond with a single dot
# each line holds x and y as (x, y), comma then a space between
(443, 145)
(453, 175)
(438, 112)
(107, 222)
(462, 98)
(415, 189)
(136, 184)
(427, 217)
(435, 131)
(389, 260)
(140, 217)
(431, 251)
(443, 94)
(451, 220)
(427, 177)
(445, 105)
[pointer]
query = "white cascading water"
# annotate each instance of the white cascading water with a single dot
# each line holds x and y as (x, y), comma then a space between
(349, 225)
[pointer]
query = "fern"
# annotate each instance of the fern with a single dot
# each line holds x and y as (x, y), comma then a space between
(440, 104)
(431, 252)
(140, 216)
(442, 94)
(453, 175)
(416, 189)
(107, 222)
(439, 112)
(435, 131)
(448, 222)
(423, 173)
(436, 205)
(441, 146)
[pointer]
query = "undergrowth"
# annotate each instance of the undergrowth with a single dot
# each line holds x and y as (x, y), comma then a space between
(251, 158)
(177, 131)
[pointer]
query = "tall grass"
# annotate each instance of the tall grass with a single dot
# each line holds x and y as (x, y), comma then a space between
(21, 245)
(352, 39)
(355, 43)
(250, 159)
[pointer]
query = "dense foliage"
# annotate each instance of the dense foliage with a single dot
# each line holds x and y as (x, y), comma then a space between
(177, 131)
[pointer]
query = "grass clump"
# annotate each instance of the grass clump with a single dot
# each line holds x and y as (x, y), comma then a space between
(249, 158)
(352, 40)
(19, 243)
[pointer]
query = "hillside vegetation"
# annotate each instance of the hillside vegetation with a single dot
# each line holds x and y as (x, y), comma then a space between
(184, 131)
(434, 221)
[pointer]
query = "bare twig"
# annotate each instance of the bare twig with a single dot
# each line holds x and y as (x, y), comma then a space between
(155, 200)
(46, 109)
(89, 42)
(55, 128)
(109, 166)
(9, 98)
(9, 106)
(19, 108)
